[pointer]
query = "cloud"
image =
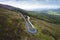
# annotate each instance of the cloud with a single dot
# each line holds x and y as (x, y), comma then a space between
(31, 4)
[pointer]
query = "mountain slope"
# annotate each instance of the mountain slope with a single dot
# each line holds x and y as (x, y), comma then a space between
(13, 27)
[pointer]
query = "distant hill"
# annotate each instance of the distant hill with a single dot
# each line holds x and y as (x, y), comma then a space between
(46, 10)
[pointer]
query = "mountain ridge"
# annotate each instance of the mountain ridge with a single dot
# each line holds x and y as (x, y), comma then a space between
(46, 10)
(13, 8)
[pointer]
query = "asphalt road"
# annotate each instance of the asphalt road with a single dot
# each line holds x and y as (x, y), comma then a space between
(29, 25)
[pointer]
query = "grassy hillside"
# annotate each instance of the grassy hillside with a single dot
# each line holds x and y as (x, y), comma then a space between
(46, 30)
(47, 23)
(13, 27)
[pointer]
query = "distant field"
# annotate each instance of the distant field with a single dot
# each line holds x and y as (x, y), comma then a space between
(52, 17)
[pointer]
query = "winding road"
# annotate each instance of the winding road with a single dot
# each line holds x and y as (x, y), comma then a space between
(29, 25)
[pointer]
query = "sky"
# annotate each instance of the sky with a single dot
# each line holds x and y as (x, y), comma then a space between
(33, 4)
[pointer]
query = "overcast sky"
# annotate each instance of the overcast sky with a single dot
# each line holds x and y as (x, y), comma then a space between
(33, 4)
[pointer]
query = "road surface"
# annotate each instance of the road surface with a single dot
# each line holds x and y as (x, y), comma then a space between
(29, 25)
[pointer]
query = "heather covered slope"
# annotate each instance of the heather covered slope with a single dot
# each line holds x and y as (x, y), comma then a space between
(13, 27)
